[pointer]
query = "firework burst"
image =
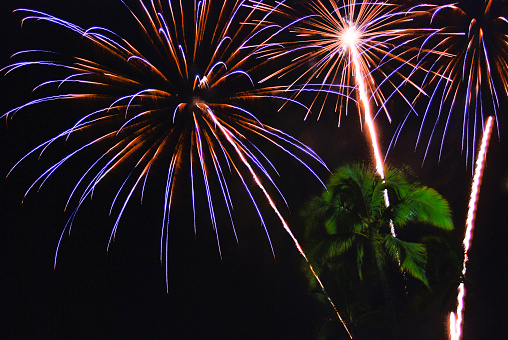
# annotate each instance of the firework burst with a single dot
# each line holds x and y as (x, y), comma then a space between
(323, 62)
(470, 39)
(180, 104)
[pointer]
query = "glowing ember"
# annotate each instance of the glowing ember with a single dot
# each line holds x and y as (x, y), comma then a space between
(457, 318)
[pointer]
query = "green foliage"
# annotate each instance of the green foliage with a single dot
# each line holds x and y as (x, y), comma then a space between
(348, 229)
(352, 214)
(413, 256)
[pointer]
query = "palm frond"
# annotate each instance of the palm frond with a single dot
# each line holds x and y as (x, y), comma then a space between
(331, 247)
(423, 205)
(360, 253)
(413, 256)
(378, 209)
(350, 222)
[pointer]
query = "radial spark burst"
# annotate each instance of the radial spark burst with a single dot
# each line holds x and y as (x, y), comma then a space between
(471, 37)
(355, 49)
(317, 39)
(180, 103)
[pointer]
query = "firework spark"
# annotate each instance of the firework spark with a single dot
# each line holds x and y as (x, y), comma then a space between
(321, 56)
(457, 318)
(179, 104)
(350, 40)
(471, 37)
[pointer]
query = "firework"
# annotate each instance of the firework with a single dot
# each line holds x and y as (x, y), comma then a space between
(180, 103)
(456, 318)
(321, 57)
(470, 38)
(351, 47)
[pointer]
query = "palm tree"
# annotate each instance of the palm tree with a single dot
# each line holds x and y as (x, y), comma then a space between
(349, 225)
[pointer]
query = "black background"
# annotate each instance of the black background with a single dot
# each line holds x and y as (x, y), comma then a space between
(247, 294)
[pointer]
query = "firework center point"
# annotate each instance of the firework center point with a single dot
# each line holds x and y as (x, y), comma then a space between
(349, 36)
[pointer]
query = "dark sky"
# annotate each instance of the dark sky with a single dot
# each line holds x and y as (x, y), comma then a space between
(247, 294)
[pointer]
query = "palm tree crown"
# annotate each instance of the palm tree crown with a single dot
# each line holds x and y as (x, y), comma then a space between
(351, 216)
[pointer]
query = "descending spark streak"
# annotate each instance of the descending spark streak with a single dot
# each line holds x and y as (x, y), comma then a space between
(327, 296)
(231, 141)
(368, 115)
(349, 39)
(457, 318)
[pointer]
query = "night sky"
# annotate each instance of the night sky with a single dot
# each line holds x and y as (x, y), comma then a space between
(121, 293)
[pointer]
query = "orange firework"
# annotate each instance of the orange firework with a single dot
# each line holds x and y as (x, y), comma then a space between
(456, 319)
(321, 59)
(351, 49)
(343, 49)
(177, 102)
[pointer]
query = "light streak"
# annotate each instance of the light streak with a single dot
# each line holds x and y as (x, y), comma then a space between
(362, 90)
(350, 38)
(328, 297)
(456, 319)
(277, 212)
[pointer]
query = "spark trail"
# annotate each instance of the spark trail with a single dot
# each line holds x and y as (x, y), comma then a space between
(349, 39)
(456, 319)
(366, 107)
(238, 150)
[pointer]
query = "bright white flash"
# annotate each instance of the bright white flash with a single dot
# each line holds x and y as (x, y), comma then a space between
(350, 36)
